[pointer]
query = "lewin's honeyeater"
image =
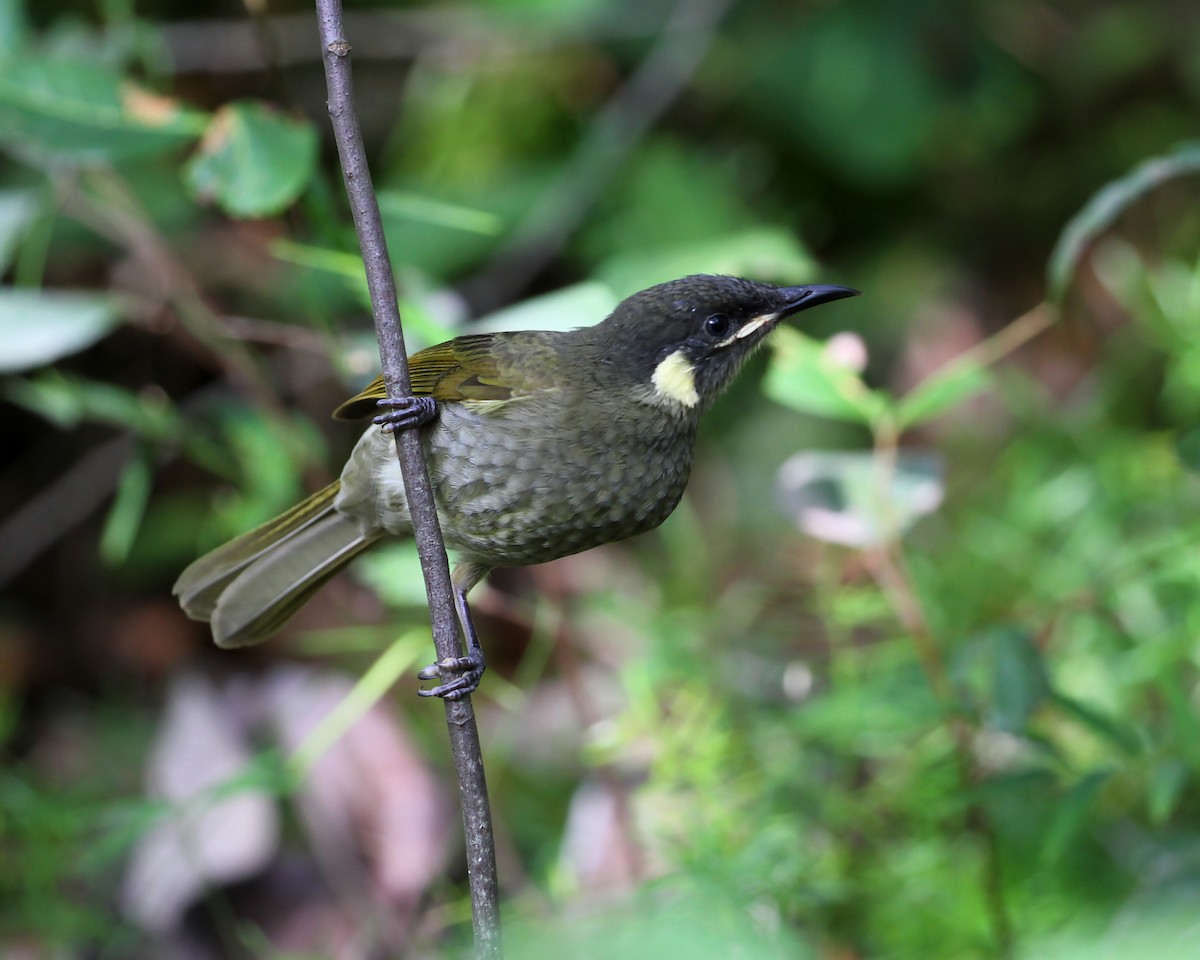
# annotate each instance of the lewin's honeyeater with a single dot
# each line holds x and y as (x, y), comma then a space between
(539, 444)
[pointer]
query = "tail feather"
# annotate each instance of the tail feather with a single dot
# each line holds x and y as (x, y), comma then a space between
(265, 594)
(249, 587)
(200, 585)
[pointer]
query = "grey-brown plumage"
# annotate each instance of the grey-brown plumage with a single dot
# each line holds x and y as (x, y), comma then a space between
(543, 444)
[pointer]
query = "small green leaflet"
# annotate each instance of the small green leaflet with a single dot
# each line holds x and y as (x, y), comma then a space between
(804, 376)
(253, 162)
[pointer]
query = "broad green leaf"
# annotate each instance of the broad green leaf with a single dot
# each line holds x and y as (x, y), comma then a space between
(272, 455)
(1103, 209)
(412, 206)
(426, 321)
(1164, 787)
(765, 254)
(1107, 728)
(39, 327)
(85, 112)
(394, 572)
(67, 401)
(347, 265)
(802, 375)
(940, 392)
(1019, 682)
(1185, 725)
(253, 161)
(1187, 448)
(1071, 814)
(856, 498)
(580, 305)
(17, 210)
(879, 714)
(13, 27)
(1156, 922)
(1162, 293)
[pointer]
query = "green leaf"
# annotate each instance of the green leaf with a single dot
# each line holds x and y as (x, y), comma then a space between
(394, 572)
(1071, 814)
(1106, 206)
(1184, 725)
(18, 208)
(39, 327)
(69, 401)
(272, 455)
(575, 306)
(423, 325)
(1103, 726)
(940, 392)
(1019, 681)
(765, 254)
(1164, 787)
(128, 509)
(253, 161)
(1187, 448)
(802, 375)
(85, 112)
(13, 27)
(412, 206)
(338, 262)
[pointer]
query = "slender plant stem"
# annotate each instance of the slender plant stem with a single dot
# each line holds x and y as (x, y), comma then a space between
(460, 716)
(889, 565)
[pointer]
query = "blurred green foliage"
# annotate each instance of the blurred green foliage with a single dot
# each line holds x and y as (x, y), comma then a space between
(840, 732)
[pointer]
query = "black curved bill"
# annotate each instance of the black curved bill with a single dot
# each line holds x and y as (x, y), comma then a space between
(801, 298)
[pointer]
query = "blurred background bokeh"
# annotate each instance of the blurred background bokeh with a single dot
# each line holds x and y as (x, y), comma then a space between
(912, 671)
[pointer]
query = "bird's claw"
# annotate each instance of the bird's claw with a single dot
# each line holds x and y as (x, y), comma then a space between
(405, 413)
(466, 673)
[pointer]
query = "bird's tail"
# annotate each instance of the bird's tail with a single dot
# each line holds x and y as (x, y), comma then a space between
(248, 588)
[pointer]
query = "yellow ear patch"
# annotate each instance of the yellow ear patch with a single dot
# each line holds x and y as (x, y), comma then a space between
(674, 380)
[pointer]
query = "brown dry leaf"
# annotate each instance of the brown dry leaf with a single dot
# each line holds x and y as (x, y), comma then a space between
(601, 848)
(150, 637)
(217, 133)
(372, 792)
(152, 109)
(206, 840)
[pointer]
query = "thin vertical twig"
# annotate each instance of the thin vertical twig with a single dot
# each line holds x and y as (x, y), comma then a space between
(890, 568)
(460, 716)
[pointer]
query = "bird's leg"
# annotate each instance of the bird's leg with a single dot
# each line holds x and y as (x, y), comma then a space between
(404, 413)
(466, 672)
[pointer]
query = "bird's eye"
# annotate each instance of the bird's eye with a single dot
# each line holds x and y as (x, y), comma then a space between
(717, 325)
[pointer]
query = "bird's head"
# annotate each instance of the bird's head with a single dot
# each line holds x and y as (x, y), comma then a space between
(684, 340)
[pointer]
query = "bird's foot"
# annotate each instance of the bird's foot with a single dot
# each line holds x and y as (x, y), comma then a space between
(404, 413)
(466, 672)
